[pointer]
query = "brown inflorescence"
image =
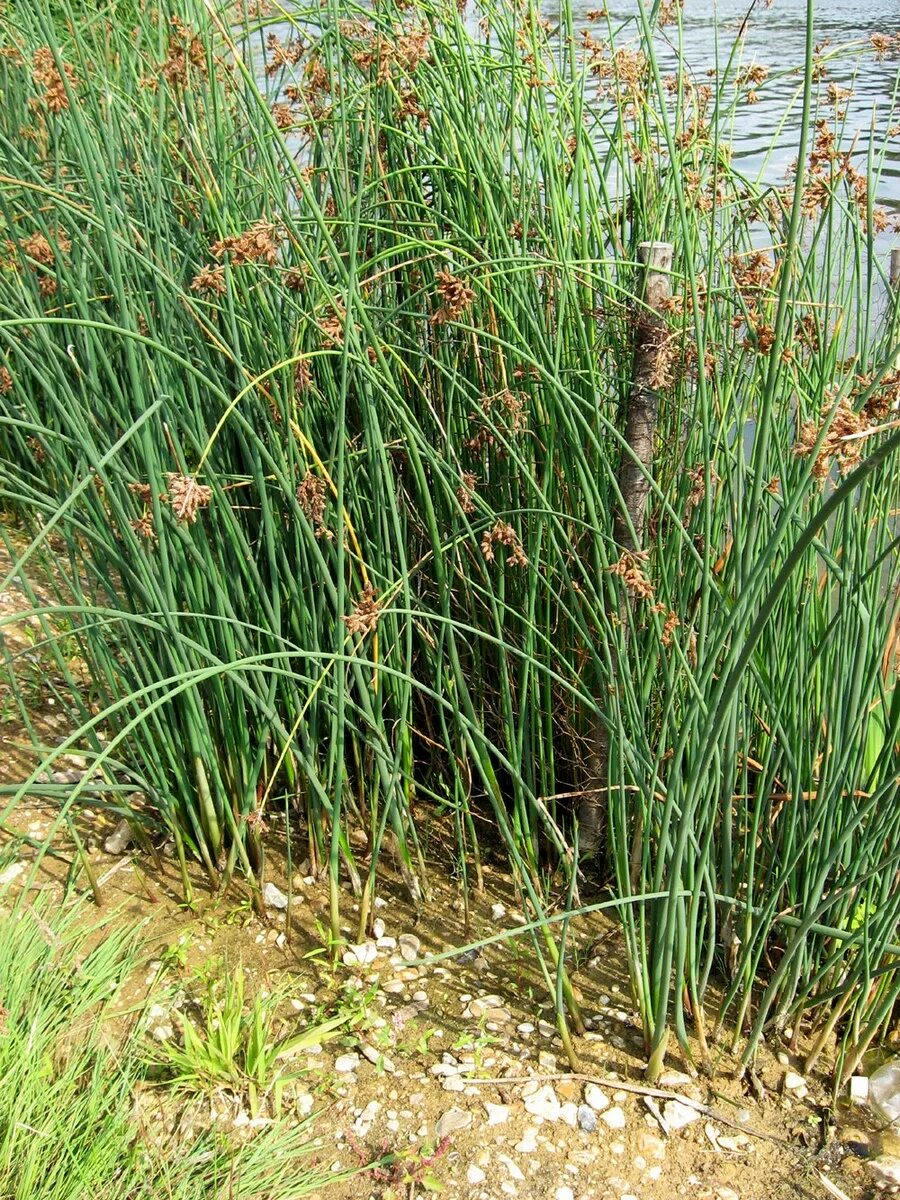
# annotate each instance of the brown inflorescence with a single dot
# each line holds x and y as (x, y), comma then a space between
(503, 534)
(259, 243)
(364, 618)
(840, 444)
(312, 496)
(186, 496)
(6, 381)
(52, 82)
(466, 491)
(455, 295)
(209, 279)
(629, 568)
(186, 53)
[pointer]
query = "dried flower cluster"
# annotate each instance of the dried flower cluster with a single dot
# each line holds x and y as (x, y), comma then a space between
(52, 82)
(259, 243)
(209, 279)
(883, 43)
(629, 567)
(333, 325)
(405, 49)
(455, 295)
(670, 624)
(466, 491)
(302, 376)
(840, 444)
(364, 618)
(312, 496)
(697, 478)
(503, 534)
(752, 275)
(6, 381)
(186, 496)
(43, 254)
(284, 116)
(281, 54)
(828, 165)
(185, 54)
(621, 72)
(751, 78)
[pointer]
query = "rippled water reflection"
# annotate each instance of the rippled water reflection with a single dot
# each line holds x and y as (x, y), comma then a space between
(775, 37)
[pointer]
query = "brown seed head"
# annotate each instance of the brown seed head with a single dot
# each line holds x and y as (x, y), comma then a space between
(187, 496)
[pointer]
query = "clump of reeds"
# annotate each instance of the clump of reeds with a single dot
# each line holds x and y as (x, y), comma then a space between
(316, 346)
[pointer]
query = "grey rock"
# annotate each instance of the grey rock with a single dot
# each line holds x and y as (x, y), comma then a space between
(273, 897)
(409, 946)
(587, 1119)
(886, 1169)
(452, 1121)
(119, 840)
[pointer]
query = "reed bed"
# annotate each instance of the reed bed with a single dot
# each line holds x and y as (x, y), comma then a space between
(318, 330)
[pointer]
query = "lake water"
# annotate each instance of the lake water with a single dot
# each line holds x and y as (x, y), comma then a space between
(775, 37)
(766, 134)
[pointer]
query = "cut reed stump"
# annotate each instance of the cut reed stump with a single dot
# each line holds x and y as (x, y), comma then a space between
(634, 488)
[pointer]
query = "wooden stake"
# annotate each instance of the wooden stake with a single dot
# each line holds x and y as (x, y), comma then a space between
(643, 402)
(634, 485)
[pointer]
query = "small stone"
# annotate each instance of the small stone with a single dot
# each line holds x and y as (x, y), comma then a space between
(475, 1175)
(498, 912)
(615, 1117)
(360, 956)
(119, 840)
(511, 1166)
(452, 1121)
(672, 1079)
(543, 1103)
(498, 1114)
(595, 1097)
(564, 1193)
(344, 1064)
(378, 928)
(273, 897)
(793, 1082)
(726, 1193)
(377, 1059)
(568, 1113)
(363, 1122)
(547, 1062)
(587, 1118)
(677, 1115)
(859, 1089)
(528, 1142)
(13, 871)
(886, 1169)
(545, 1029)
(409, 946)
(525, 1028)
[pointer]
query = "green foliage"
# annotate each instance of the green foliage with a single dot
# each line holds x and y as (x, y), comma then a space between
(67, 1105)
(316, 396)
(233, 1045)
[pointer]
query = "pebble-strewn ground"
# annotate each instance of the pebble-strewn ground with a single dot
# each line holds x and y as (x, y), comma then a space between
(454, 1074)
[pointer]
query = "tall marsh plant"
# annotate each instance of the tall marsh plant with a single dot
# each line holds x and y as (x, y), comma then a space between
(318, 332)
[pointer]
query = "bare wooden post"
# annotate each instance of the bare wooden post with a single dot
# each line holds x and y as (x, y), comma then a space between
(634, 485)
(643, 402)
(895, 268)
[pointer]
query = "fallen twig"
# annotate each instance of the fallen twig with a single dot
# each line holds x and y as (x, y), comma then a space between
(639, 1089)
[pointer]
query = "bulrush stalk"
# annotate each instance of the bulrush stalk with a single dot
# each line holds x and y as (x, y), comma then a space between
(368, 479)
